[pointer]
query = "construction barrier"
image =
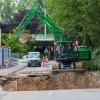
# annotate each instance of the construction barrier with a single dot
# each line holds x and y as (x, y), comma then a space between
(5, 55)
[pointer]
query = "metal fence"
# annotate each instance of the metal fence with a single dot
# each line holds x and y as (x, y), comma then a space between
(14, 59)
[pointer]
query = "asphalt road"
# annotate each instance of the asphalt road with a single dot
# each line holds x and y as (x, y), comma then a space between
(22, 64)
(84, 94)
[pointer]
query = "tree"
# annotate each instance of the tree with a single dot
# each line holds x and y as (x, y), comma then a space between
(25, 4)
(7, 8)
(13, 42)
(80, 19)
(77, 17)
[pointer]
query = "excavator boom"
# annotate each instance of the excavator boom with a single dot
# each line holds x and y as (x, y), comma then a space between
(59, 36)
(27, 19)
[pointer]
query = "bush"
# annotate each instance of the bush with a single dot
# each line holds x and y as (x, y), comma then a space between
(94, 64)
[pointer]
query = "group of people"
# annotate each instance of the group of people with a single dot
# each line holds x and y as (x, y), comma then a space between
(68, 47)
(45, 51)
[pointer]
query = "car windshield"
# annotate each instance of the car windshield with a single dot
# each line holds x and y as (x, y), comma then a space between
(33, 55)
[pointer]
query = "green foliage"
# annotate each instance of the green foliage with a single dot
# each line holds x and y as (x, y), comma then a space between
(96, 57)
(94, 64)
(16, 46)
(29, 45)
(76, 16)
(7, 8)
(13, 42)
(80, 19)
(24, 4)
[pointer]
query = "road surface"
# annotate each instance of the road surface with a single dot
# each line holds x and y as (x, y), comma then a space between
(22, 67)
(22, 64)
(84, 94)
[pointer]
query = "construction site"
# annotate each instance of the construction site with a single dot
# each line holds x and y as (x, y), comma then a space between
(44, 78)
(55, 63)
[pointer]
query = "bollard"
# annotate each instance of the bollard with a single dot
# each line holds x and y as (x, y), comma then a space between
(7, 62)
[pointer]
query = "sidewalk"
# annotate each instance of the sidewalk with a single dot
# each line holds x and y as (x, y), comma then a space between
(6, 71)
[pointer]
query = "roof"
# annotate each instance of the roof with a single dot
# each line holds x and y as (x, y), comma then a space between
(43, 37)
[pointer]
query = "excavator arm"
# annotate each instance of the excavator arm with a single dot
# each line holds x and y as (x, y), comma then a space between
(26, 21)
(59, 36)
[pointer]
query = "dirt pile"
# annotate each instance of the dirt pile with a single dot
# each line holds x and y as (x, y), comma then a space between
(66, 80)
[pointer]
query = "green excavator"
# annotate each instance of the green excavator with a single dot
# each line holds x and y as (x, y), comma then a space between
(66, 55)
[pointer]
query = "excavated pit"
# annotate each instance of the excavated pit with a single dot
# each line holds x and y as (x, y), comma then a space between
(63, 80)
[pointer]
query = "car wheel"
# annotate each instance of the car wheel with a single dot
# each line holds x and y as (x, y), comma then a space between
(72, 65)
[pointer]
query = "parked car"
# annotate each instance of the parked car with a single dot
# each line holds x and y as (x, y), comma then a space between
(34, 59)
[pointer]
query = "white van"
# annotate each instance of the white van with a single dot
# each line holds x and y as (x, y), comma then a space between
(34, 59)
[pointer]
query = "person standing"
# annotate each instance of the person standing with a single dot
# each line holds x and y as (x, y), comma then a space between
(46, 52)
(76, 45)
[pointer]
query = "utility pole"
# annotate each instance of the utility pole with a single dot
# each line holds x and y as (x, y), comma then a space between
(45, 12)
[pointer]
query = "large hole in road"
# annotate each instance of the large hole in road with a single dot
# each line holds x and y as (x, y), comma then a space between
(63, 80)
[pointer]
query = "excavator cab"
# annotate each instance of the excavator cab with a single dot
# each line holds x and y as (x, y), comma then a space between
(67, 54)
